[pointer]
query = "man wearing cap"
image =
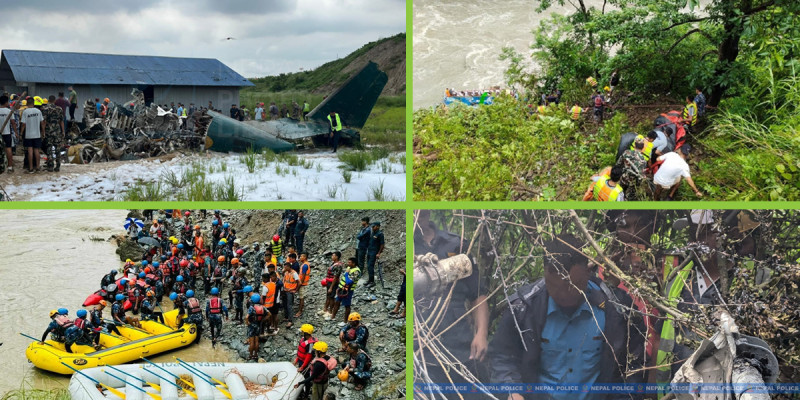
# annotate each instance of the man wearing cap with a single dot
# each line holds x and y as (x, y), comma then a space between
(73, 102)
(54, 132)
(376, 246)
(669, 174)
(33, 126)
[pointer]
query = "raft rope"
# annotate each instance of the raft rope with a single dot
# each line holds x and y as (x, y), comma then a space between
(256, 387)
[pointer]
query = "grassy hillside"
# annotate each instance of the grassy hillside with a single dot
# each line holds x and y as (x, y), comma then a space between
(335, 72)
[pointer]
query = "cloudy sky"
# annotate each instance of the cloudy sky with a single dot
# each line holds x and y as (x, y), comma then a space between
(272, 36)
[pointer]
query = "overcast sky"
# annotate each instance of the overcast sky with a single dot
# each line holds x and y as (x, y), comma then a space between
(272, 36)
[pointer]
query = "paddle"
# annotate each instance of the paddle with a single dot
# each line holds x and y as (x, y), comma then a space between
(174, 376)
(198, 372)
(37, 340)
(110, 389)
(153, 385)
(153, 395)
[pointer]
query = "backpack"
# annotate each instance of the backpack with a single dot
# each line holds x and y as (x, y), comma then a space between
(598, 101)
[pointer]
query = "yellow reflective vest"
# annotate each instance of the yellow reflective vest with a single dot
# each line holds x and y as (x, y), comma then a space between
(690, 113)
(576, 112)
(604, 192)
(648, 147)
(338, 125)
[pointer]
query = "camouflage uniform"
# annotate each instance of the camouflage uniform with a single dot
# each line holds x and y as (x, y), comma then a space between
(53, 118)
(633, 165)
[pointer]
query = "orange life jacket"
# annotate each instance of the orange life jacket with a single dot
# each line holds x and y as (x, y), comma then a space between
(194, 305)
(269, 297)
(330, 364)
(289, 283)
(302, 349)
(305, 276)
(261, 312)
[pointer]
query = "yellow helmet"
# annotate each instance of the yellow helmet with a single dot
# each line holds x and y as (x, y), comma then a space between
(174, 240)
(307, 328)
(224, 240)
(128, 260)
(343, 375)
(53, 313)
(37, 101)
(607, 89)
(44, 101)
(321, 346)
(24, 102)
(354, 317)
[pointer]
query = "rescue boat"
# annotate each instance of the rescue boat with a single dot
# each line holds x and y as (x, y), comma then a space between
(263, 381)
(134, 343)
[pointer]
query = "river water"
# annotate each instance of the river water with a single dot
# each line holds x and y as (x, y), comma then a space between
(49, 260)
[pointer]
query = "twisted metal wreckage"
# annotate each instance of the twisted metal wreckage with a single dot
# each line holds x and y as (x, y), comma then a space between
(133, 131)
(722, 354)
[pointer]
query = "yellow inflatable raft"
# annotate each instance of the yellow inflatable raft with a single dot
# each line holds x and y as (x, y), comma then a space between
(152, 339)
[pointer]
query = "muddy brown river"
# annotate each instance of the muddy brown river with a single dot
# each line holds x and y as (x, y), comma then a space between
(49, 260)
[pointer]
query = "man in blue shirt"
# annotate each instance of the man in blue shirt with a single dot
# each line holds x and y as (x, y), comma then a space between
(363, 242)
(700, 100)
(571, 330)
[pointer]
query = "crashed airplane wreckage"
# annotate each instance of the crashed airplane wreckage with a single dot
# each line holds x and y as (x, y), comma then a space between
(133, 130)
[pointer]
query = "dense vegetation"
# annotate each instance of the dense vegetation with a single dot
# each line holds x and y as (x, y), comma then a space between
(743, 53)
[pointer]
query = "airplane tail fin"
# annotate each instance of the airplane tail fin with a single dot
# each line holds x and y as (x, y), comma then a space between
(355, 99)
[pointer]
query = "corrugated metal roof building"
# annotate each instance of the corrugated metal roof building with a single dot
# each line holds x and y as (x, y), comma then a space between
(163, 79)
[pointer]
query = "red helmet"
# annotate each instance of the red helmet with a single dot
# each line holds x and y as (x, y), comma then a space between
(276, 237)
(184, 263)
(240, 252)
(187, 213)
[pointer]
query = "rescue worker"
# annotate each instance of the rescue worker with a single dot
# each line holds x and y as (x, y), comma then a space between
(633, 167)
(305, 352)
(306, 110)
(647, 150)
(304, 275)
(609, 189)
(700, 101)
(256, 315)
(567, 312)
(576, 111)
(291, 282)
(359, 368)
(599, 106)
(353, 332)
(363, 237)
(32, 132)
(672, 171)
(331, 284)
(300, 229)
(149, 308)
(277, 246)
(269, 292)
(81, 333)
(468, 342)
(335, 125)
(344, 293)
(690, 112)
(54, 133)
(592, 82)
(376, 247)
(118, 310)
(108, 279)
(238, 283)
(59, 324)
(321, 366)
(97, 318)
(215, 309)
(194, 312)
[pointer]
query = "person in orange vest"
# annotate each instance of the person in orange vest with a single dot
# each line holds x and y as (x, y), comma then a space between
(321, 367)
(269, 292)
(291, 281)
(608, 188)
(305, 353)
(256, 315)
(305, 274)
(215, 309)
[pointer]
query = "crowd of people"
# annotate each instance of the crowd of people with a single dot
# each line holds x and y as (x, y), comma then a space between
(273, 112)
(263, 282)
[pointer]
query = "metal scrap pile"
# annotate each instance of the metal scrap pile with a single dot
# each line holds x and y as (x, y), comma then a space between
(132, 131)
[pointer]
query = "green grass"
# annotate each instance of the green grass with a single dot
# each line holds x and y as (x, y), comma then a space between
(190, 185)
(36, 394)
(249, 160)
(386, 126)
(347, 175)
(250, 96)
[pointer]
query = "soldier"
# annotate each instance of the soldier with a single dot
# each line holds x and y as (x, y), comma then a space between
(295, 110)
(633, 165)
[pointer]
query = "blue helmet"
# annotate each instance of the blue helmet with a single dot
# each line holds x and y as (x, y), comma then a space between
(226, 225)
(221, 243)
(255, 298)
(123, 281)
(215, 222)
(120, 297)
(247, 289)
(190, 293)
(163, 257)
(180, 246)
(216, 211)
(142, 275)
(63, 311)
(113, 272)
(156, 264)
(81, 313)
(215, 291)
(144, 262)
(179, 278)
(173, 296)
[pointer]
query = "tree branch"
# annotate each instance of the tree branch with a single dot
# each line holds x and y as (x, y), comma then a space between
(688, 21)
(686, 35)
(760, 8)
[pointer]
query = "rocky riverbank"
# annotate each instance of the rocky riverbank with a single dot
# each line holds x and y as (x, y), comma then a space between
(330, 230)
